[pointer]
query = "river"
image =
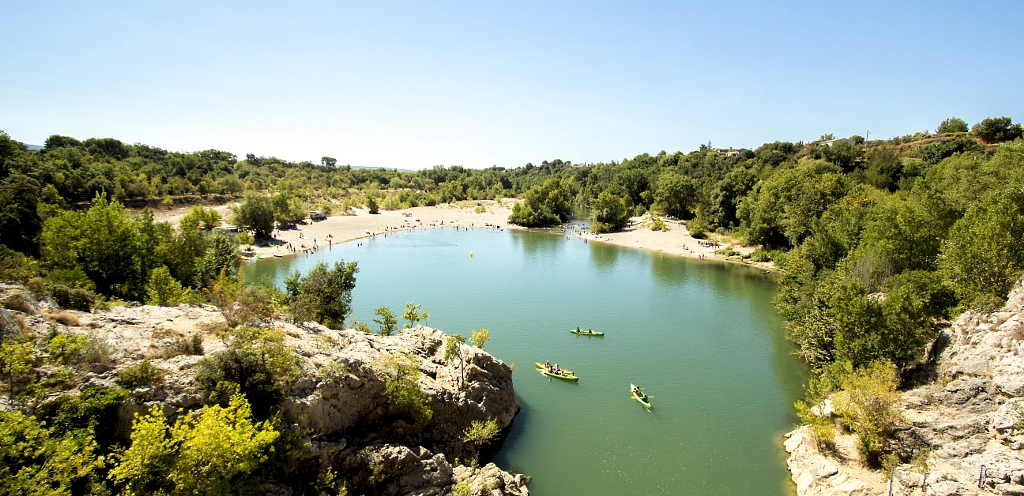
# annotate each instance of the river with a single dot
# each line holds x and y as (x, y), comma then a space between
(701, 337)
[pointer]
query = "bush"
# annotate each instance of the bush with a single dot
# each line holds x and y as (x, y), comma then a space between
(73, 298)
(400, 373)
(96, 409)
(141, 374)
(36, 460)
(759, 255)
(254, 364)
(220, 452)
(18, 302)
(66, 349)
(186, 346)
(952, 125)
(480, 432)
(996, 130)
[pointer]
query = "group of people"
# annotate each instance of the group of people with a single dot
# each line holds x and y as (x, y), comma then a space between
(641, 394)
(555, 369)
(588, 331)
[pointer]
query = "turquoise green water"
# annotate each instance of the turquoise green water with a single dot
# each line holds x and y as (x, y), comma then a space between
(702, 338)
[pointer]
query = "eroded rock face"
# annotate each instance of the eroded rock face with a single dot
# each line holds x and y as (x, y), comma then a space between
(970, 418)
(345, 418)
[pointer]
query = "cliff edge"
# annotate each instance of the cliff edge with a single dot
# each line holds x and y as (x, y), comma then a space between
(335, 405)
(970, 418)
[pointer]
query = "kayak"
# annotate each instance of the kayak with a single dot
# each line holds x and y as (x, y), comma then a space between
(632, 390)
(586, 333)
(566, 375)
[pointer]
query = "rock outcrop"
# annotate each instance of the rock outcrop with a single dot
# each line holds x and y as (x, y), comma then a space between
(343, 418)
(970, 418)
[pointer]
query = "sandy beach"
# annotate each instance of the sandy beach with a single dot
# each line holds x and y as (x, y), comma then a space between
(473, 215)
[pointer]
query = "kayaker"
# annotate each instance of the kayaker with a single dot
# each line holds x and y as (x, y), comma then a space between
(645, 399)
(577, 328)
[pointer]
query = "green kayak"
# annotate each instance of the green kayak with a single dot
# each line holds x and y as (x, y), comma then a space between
(639, 396)
(565, 375)
(589, 332)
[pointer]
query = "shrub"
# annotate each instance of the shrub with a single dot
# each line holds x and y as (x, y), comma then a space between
(73, 298)
(140, 374)
(480, 432)
(324, 294)
(96, 409)
(759, 255)
(186, 346)
(220, 452)
(254, 364)
(66, 349)
(400, 373)
(996, 130)
(952, 125)
(65, 317)
(36, 460)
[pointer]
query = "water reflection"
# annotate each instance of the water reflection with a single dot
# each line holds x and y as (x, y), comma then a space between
(537, 243)
(604, 255)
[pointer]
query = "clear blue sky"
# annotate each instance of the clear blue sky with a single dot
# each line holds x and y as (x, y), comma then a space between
(480, 83)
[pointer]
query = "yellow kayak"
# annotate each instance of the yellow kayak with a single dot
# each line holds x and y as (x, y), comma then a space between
(565, 375)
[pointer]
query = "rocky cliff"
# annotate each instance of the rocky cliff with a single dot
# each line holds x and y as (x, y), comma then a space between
(342, 417)
(968, 417)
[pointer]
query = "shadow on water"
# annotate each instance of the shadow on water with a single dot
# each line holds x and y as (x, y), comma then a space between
(538, 243)
(603, 255)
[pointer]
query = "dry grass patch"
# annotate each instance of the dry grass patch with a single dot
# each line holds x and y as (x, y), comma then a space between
(17, 302)
(64, 317)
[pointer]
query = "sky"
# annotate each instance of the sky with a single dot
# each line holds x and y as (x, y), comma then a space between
(411, 85)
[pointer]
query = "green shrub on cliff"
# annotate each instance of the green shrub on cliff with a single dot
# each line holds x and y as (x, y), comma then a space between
(217, 453)
(400, 373)
(254, 364)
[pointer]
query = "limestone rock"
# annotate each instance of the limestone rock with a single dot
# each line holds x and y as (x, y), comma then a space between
(970, 418)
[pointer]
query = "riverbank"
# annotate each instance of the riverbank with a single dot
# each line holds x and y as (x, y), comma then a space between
(489, 214)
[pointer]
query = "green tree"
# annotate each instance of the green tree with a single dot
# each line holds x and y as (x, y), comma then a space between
(983, 255)
(104, 242)
(387, 321)
(256, 214)
(609, 213)
(19, 219)
(842, 154)
(412, 314)
(453, 351)
(323, 294)
(544, 205)
(952, 125)
(480, 338)
(996, 130)
(328, 161)
(676, 195)
(162, 288)
(371, 205)
(200, 217)
(286, 209)
(400, 373)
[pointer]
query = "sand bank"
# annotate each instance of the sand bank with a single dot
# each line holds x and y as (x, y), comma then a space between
(476, 214)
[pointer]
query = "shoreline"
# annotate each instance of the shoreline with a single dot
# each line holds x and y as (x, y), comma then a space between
(337, 229)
